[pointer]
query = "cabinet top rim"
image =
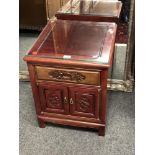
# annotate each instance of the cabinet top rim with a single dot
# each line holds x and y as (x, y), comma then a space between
(77, 41)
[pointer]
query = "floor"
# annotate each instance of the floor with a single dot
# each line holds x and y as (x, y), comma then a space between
(60, 140)
(64, 140)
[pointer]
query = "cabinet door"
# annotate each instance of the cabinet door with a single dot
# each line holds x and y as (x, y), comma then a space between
(54, 98)
(84, 101)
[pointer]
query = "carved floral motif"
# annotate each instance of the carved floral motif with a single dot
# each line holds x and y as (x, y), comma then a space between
(53, 100)
(84, 104)
(63, 75)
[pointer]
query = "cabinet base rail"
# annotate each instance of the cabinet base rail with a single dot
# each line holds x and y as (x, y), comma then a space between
(44, 119)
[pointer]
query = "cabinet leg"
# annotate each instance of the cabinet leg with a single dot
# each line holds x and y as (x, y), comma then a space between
(101, 131)
(41, 123)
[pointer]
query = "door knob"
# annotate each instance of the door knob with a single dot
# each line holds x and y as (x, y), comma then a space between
(65, 99)
(71, 101)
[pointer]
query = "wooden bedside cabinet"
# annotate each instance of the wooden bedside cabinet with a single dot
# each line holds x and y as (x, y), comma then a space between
(90, 10)
(98, 11)
(68, 67)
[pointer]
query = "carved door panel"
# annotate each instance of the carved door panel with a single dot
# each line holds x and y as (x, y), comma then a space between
(54, 98)
(84, 101)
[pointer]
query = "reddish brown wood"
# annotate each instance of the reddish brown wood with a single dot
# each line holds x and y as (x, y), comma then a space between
(67, 84)
(68, 75)
(66, 13)
(122, 33)
(34, 87)
(71, 122)
(89, 58)
(85, 101)
(104, 77)
(90, 11)
(54, 98)
(64, 102)
(66, 63)
(71, 117)
(41, 123)
(87, 18)
(101, 131)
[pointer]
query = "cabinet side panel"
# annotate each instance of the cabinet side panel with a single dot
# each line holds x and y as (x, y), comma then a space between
(34, 88)
(104, 76)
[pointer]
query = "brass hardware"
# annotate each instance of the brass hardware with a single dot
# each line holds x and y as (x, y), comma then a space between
(65, 99)
(99, 90)
(71, 101)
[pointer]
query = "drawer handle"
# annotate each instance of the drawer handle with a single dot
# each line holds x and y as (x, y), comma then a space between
(71, 101)
(65, 100)
(64, 75)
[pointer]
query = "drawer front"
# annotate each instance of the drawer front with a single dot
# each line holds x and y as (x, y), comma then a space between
(69, 75)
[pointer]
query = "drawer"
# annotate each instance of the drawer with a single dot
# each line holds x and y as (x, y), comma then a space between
(69, 75)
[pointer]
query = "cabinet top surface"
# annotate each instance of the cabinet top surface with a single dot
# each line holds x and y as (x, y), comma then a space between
(92, 8)
(75, 41)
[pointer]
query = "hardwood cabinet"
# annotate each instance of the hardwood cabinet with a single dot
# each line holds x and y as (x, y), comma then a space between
(68, 68)
(106, 11)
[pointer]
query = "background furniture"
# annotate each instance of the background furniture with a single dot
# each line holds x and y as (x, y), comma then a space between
(99, 11)
(34, 14)
(84, 10)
